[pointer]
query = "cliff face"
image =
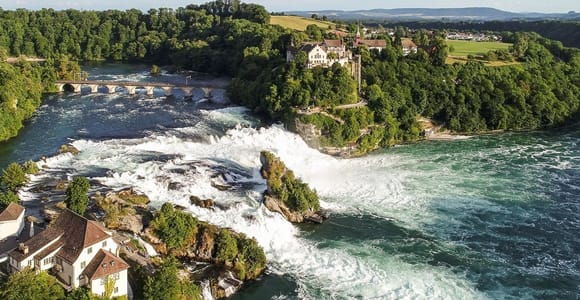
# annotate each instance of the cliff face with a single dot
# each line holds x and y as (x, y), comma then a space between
(314, 137)
(286, 194)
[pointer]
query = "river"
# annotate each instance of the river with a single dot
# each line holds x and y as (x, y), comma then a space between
(490, 217)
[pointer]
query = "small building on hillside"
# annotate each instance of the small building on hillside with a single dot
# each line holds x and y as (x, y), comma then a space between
(11, 221)
(323, 54)
(408, 47)
(76, 251)
(371, 44)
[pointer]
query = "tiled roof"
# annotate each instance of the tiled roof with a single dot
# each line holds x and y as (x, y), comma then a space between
(11, 213)
(79, 233)
(74, 231)
(408, 44)
(104, 263)
(308, 47)
(36, 243)
(50, 249)
(374, 43)
(333, 43)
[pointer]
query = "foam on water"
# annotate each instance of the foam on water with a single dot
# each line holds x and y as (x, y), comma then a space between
(170, 168)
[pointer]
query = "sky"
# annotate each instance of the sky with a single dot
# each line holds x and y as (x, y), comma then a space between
(561, 6)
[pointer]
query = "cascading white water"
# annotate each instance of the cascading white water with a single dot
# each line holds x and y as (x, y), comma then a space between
(170, 167)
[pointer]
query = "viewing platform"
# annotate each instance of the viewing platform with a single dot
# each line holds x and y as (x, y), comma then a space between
(131, 86)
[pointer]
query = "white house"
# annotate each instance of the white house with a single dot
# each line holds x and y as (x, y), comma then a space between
(11, 221)
(78, 252)
(408, 47)
(323, 54)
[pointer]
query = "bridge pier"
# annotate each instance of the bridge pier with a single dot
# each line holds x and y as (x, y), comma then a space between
(207, 92)
(168, 90)
(187, 92)
(112, 88)
(94, 88)
(131, 89)
(149, 90)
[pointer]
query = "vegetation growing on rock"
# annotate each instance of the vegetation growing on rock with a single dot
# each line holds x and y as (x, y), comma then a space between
(284, 186)
(184, 236)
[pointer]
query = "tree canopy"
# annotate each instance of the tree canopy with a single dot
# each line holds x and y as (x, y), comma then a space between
(30, 285)
(77, 195)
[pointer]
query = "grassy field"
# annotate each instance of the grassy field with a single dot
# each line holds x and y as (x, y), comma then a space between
(464, 48)
(298, 23)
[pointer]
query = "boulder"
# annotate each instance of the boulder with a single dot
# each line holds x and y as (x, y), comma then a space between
(207, 203)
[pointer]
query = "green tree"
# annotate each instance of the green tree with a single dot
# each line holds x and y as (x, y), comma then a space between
(7, 198)
(165, 284)
(30, 285)
(13, 177)
(77, 195)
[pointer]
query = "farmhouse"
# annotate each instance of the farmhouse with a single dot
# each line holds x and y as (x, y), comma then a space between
(78, 252)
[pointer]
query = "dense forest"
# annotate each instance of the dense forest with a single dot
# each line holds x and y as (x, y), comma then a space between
(234, 38)
(209, 37)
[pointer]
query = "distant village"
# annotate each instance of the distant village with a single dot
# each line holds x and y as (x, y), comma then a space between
(330, 51)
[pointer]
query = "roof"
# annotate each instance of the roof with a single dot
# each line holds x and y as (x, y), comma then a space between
(73, 231)
(79, 233)
(50, 249)
(11, 213)
(308, 47)
(408, 44)
(36, 243)
(373, 43)
(341, 33)
(104, 263)
(333, 43)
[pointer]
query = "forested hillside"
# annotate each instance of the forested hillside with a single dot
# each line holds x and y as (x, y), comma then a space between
(209, 37)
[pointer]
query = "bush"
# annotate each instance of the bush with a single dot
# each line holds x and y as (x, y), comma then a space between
(30, 167)
(174, 227)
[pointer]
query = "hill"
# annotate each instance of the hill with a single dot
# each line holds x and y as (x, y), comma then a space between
(298, 23)
(466, 13)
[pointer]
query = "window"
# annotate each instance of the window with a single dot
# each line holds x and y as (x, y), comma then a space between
(105, 244)
(90, 250)
(116, 290)
(83, 265)
(30, 263)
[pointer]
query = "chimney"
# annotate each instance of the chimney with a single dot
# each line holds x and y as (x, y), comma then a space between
(23, 248)
(31, 234)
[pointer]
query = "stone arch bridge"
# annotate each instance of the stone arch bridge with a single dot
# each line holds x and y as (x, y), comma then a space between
(131, 86)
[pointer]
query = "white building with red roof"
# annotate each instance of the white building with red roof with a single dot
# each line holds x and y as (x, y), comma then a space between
(78, 252)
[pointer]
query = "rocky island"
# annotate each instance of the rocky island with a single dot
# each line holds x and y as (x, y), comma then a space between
(287, 194)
